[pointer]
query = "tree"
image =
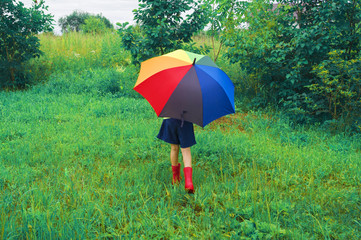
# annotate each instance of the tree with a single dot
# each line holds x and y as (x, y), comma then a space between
(221, 14)
(75, 20)
(18, 40)
(163, 26)
(283, 45)
(94, 25)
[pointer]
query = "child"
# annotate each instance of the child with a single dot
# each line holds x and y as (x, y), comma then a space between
(179, 133)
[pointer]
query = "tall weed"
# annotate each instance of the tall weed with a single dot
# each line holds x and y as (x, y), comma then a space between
(97, 82)
(77, 52)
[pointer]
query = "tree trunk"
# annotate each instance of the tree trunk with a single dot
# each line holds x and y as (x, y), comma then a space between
(11, 69)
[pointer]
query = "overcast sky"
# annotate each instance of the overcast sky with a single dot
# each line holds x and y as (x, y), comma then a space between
(114, 10)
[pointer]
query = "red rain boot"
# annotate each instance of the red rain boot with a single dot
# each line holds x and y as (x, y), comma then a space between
(176, 174)
(188, 179)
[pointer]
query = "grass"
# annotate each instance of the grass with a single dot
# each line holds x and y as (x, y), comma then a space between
(75, 52)
(79, 160)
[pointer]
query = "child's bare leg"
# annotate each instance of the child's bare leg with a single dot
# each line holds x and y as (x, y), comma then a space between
(187, 157)
(174, 151)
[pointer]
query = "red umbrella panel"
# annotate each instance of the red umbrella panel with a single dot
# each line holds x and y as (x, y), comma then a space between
(187, 86)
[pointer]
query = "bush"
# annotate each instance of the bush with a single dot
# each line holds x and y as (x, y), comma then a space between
(282, 45)
(18, 40)
(74, 21)
(94, 25)
(338, 89)
(162, 27)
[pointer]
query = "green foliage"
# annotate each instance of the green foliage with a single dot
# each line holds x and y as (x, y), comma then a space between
(321, 27)
(282, 46)
(162, 27)
(221, 17)
(77, 52)
(74, 22)
(105, 20)
(94, 25)
(338, 91)
(18, 40)
(93, 82)
(249, 44)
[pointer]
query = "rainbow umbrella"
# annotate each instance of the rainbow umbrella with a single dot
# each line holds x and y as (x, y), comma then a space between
(186, 86)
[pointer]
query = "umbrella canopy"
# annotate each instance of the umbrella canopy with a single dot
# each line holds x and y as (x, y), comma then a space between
(186, 86)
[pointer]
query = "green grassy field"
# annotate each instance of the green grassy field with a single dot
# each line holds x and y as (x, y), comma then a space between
(79, 160)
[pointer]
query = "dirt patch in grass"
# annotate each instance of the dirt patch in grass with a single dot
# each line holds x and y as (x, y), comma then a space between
(226, 123)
